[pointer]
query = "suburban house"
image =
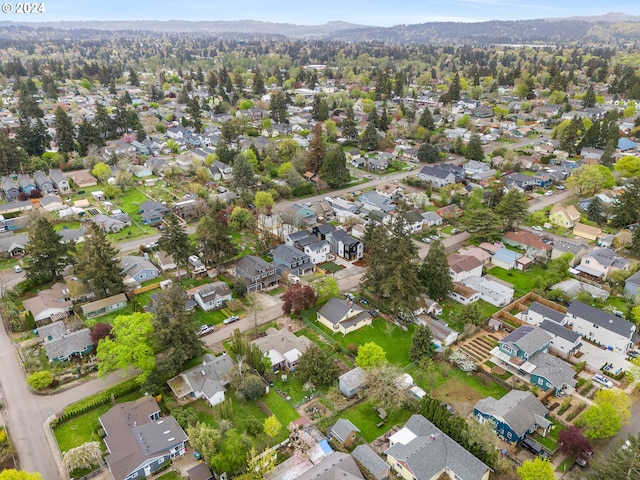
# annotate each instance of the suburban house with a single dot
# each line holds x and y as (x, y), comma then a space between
(104, 306)
(462, 266)
(520, 181)
(256, 273)
(490, 290)
(13, 245)
(449, 212)
(152, 211)
(438, 178)
(564, 246)
(344, 432)
(389, 189)
(600, 262)
(61, 345)
(26, 184)
(601, 327)
(50, 305)
(207, 380)
(43, 183)
(586, 231)
(164, 261)
(112, 224)
(337, 465)
(505, 258)
(10, 188)
(525, 350)
(564, 342)
(352, 382)
(428, 305)
(531, 243)
(431, 219)
(538, 313)
(319, 252)
(292, 260)
(283, 348)
(345, 246)
(341, 316)
(565, 217)
(514, 416)
(83, 179)
(373, 200)
(137, 269)
(441, 332)
(371, 461)
(420, 450)
(304, 214)
(632, 285)
(212, 296)
(477, 252)
(138, 440)
(200, 471)
(463, 294)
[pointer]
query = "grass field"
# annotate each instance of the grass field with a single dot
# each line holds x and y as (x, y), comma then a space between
(283, 410)
(523, 282)
(363, 417)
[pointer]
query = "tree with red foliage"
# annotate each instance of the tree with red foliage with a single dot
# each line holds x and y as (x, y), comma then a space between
(99, 331)
(298, 297)
(572, 443)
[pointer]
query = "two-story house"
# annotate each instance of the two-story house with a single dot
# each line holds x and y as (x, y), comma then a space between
(292, 260)
(601, 327)
(529, 242)
(343, 316)
(520, 181)
(525, 350)
(207, 380)
(600, 262)
(319, 252)
(43, 183)
(256, 273)
(463, 266)
(345, 246)
(514, 416)
(438, 178)
(565, 217)
(26, 184)
(59, 181)
(538, 313)
(10, 188)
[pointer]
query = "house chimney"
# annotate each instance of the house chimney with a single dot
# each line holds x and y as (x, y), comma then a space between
(432, 437)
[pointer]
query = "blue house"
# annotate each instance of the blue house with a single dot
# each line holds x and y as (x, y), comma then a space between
(152, 211)
(543, 180)
(525, 351)
(289, 259)
(305, 214)
(26, 184)
(514, 416)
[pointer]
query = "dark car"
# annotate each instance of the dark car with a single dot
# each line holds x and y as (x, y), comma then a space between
(633, 354)
(534, 448)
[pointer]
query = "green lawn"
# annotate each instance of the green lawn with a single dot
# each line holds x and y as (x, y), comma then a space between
(440, 375)
(331, 267)
(523, 282)
(282, 409)
(170, 476)
(451, 307)
(109, 317)
(363, 417)
(392, 339)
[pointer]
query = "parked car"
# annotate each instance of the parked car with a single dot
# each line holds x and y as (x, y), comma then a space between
(548, 193)
(426, 239)
(602, 380)
(537, 228)
(582, 460)
(17, 268)
(454, 231)
(350, 296)
(535, 448)
(434, 237)
(368, 177)
(560, 187)
(151, 246)
(205, 329)
(231, 319)
(633, 354)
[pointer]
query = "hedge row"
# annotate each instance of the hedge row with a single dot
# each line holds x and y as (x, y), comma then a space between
(99, 399)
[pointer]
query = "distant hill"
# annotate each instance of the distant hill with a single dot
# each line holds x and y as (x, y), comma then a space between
(610, 28)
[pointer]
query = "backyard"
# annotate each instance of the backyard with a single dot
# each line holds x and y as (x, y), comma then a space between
(366, 419)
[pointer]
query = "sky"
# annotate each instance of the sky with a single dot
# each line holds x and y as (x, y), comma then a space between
(383, 13)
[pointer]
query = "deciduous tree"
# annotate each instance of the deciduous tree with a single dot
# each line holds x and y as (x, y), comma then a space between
(84, 456)
(383, 386)
(297, 298)
(131, 346)
(101, 171)
(11, 474)
(272, 426)
(600, 421)
(370, 355)
(590, 179)
(537, 469)
(572, 443)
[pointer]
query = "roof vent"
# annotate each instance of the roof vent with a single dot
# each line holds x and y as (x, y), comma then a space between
(432, 436)
(167, 432)
(171, 439)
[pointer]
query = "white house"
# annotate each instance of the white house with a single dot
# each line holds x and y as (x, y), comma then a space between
(207, 380)
(538, 313)
(463, 266)
(565, 341)
(601, 327)
(212, 296)
(463, 294)
(490, 290)
(319, 252)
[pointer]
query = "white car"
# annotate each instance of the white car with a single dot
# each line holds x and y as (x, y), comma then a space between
(537, 228)
(17, 268)
(548, 193)
(602, 380)
(205, 329)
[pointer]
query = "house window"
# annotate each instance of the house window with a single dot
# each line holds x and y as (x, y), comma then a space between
(540, 381)
(587, 261)
(509, 435)
(507, 349)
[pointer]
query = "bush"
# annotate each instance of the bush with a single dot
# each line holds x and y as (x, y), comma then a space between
(566, 404)
(577, 411)
(352, 348)
(578, 367)
(40, 380)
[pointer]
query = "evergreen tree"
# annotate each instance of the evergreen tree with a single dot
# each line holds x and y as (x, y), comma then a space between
(384, 119)
(594, 210)
(103, 122)
(483, 224)
(317, 149)
(626, 209)
(317, 367)
(258, 83)
(175, 241)
(174, 330)
(421, 344)
(243, 176)
(589, 99)
(323, 110)
(133, 77)
(512, 209)
(278, 106)
(213, 240)
(47, 256)
(434, 272)
(315, 108)
(10, 155)
(33, 137)
(369, 140)
(623, 463)
(454, 89)
(98, 264)
(428, 153)
(349, 130)
(193, 107)
(570, 136)
(474, 148)
(88, 135)
(426, 119)
(64, 131)
(334, 169)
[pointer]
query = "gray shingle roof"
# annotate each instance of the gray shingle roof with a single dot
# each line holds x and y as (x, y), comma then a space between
(547, 312)
(554, 369)
(337, 312)
(342, 429)
(520, 410)
(431, 451)
(371, 461)
(601, 318)
(72, 343)
(527, 338)
(211, 291)
(353, 378)
(558, 330)
(337, 466)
